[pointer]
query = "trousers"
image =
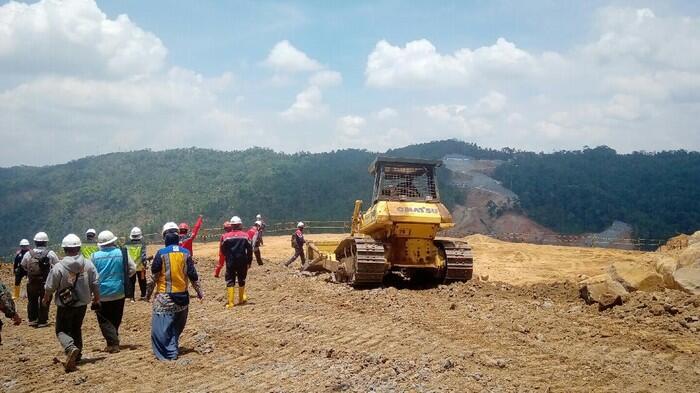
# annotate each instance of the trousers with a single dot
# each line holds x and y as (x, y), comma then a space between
(69, 326)
(236, 271)
(141, 277)
(109, 317)
(36, 310)
(298, 253)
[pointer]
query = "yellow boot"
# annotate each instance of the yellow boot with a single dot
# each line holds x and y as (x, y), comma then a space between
(15, 294)
(230, 291)
(242, 297)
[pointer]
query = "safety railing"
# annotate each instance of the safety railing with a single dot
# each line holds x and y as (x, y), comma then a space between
(318, 227)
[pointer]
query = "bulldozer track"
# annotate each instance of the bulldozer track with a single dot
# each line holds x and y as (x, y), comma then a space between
(370, 263)
(460, 261)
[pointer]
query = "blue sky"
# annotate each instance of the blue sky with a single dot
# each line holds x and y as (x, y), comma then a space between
(79, 77)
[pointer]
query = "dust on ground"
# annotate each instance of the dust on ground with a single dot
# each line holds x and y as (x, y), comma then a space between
(525, 329)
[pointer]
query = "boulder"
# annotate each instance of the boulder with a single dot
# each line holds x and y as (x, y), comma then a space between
(607, 293)
(688, 279)
(636, 276)
(666, 266)
(690, 256)
(694, 238)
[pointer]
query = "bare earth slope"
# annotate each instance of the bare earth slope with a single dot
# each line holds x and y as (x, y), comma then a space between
(528, 332)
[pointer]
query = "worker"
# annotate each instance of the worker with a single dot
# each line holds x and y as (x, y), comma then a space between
(75, 283)
(37, 263)
(187, 238)
(298, 245)
(222, 258)
(172, 268)
(114, 268)
(137, 252)
(255, 238)
(17, 267)
(239, 254)
(263, 226)
(90, 246)
(7, 306)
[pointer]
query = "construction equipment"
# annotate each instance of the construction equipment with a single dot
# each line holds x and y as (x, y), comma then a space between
(399, 231)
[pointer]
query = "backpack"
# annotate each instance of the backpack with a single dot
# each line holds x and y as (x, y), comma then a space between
(68, 295)
(39, 266)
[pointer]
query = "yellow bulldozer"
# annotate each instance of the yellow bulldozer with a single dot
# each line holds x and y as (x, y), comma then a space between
(398, 233)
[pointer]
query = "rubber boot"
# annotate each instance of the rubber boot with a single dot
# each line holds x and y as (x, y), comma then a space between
(230, 292)
(15, 294)
(242, 297)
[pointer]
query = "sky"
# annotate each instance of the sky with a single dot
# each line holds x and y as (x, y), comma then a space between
(80, 77)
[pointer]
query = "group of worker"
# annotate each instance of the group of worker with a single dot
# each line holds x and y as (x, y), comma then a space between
(100, 273)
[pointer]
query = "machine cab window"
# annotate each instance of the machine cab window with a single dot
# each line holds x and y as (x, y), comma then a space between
(404, 180)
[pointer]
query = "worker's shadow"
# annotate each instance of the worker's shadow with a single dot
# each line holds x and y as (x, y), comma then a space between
(130, 347)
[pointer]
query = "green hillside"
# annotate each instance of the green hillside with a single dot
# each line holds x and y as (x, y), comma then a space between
(572, 192)
(584, 191)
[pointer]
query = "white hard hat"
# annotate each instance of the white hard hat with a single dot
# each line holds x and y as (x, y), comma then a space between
(258, 217)
(41, 237)
(170, 226)
(90, 231)
(71, 241)
(24, 242)
(235, 220)
(136, 233)
(300, 224)
(258, 223)
(105, 238)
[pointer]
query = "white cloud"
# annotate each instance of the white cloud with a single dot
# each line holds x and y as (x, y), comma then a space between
(86, 84)
(285, 58)
(308, 105)
(628, 36)
(387, 113)
(419, 64)
(309, 102)
(350, 125)
(74, 37)
(491, 104)
(326, 78)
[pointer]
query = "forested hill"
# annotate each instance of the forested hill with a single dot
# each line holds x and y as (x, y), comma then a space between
(570, 192)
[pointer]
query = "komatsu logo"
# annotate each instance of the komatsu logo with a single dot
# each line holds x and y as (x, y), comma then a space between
(427, 210)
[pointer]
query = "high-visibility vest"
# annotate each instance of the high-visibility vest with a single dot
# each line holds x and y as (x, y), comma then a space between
(87, 249)
(173, 277)
(135, 251)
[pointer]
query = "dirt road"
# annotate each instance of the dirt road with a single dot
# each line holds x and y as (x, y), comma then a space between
(529, 332)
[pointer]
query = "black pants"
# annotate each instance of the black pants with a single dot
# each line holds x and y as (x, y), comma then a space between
(236, 271)
(258, 257)
(298, 253)
(69, 326)
(36, 310)
(141, 276)
(109, 317)
(18, 279)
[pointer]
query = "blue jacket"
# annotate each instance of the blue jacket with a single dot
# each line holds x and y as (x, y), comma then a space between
(110, 268)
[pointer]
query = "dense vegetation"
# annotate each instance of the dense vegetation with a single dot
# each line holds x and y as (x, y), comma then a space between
(585, 191)
(570, 192)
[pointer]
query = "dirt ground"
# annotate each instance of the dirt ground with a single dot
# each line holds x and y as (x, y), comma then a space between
(525, 329)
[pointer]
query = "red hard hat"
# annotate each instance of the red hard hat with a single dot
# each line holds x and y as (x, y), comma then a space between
(184, 227)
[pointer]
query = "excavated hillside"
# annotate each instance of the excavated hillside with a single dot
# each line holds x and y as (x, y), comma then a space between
(519, 327)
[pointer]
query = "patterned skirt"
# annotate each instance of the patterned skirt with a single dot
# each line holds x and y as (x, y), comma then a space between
(167, 324)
